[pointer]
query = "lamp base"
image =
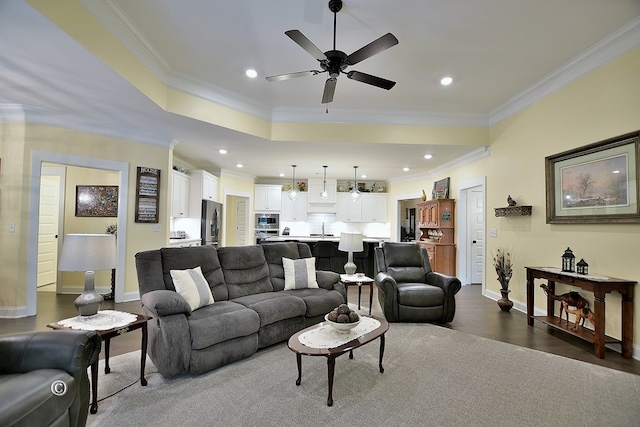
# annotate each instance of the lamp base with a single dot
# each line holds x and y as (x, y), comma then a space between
(350, 268)
(89, 301)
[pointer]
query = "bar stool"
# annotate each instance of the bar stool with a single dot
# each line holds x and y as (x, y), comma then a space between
(323, 252)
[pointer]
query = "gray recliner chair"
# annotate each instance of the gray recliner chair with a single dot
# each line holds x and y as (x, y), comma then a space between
(408, 290)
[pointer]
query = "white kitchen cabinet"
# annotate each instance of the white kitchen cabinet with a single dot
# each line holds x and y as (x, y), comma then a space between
(179, 195)
(203, 186)
(347, 210)
(317, 185)
(267, 198)
(374, 207)
(294, 210)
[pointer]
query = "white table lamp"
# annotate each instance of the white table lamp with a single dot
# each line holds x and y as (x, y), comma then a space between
(88, 253)
(350, 242)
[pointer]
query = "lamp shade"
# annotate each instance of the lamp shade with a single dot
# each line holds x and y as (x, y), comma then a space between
(88, 252)
(351, 242)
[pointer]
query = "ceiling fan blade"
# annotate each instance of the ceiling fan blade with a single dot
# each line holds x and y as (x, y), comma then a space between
(329, 90)
(376, 46)
(288, 76)
(306, 44)
(372, 80)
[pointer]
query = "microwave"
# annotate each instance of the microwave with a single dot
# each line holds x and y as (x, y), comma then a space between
(267, 221)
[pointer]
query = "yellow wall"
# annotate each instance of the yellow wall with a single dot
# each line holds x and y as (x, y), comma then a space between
(601, 105)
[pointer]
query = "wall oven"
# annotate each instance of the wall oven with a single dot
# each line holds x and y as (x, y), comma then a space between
(268, 221)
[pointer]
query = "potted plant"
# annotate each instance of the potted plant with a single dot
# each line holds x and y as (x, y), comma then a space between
(503, 263)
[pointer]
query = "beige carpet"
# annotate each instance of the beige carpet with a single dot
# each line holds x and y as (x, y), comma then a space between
(433, 377)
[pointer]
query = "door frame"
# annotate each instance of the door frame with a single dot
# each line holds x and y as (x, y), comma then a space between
(61, 172)
(225, 212)
(39, 157)
(463, 240)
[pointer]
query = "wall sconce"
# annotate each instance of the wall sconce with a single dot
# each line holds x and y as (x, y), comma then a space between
(568, 261)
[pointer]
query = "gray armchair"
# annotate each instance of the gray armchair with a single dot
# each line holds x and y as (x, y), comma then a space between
(43, 377)
(408, 290)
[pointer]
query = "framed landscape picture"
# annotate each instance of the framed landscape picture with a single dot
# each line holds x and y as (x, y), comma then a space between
(97, 200)
(595, 184)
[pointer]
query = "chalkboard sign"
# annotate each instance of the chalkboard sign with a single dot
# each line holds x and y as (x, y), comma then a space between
(147, 195)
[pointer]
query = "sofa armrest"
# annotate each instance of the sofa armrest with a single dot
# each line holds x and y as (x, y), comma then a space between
(451, 285)
(327, 279)
(387, 295)
(71, 351)
(165, 303)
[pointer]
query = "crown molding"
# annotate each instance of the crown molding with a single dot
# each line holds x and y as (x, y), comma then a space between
(608, 49)
(235, 174)
(466, 159)
(25, 113)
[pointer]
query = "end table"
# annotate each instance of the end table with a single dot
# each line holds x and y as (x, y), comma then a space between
(106, 335)
(354, 279)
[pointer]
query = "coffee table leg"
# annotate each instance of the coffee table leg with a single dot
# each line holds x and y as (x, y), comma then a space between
(331, 364)
(370, 297)
(381, 352)
(94, 386)
(143, 360)
(299, 360)
(107, 344)
(359, 294)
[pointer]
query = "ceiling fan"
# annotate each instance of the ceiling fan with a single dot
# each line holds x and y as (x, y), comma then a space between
(335, 61)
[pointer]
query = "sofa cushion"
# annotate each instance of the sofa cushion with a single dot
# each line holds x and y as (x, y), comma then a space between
(191, 257)
(274, 252)
(318, 302)
(221, 322)
(193, 287)
(420, 295)
(245, 270)
(299, 273)
(273, 307)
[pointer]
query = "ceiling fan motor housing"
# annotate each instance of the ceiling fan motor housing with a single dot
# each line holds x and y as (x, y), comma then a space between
(336, 62)
(335, 5)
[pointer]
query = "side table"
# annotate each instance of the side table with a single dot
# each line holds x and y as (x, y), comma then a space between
(106, 335)
(354, 279)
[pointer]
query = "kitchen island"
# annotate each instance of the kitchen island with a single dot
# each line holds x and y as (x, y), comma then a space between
(365, 260)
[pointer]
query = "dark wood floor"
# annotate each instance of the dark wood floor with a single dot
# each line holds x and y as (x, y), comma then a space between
(475, 315)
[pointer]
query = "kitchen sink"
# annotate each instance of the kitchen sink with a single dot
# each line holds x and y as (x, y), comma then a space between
(320, 235)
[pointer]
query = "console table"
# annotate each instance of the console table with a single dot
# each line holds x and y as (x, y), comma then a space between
(599, 285)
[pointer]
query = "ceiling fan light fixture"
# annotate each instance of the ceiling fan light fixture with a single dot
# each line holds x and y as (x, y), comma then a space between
(324, 194)
(292, 194)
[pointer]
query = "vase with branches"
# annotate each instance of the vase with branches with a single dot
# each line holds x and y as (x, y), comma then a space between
(503, 263)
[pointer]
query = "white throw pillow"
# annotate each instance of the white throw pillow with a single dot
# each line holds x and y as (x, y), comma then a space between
(193, 287)
(299, 273)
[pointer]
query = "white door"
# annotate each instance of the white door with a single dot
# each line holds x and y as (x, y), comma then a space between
(475, 218)
(50, 188)
(241, 222)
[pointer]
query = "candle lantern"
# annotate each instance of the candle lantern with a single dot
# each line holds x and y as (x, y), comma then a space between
(582, 267)
(568, 261)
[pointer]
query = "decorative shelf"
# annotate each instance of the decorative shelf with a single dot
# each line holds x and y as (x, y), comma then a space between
(513, 211)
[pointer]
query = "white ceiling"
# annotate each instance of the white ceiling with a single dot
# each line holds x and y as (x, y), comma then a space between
(502, 54)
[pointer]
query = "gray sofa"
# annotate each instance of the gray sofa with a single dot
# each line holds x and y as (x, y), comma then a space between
(251, 309)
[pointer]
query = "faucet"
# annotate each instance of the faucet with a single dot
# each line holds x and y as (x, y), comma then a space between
(323, 229)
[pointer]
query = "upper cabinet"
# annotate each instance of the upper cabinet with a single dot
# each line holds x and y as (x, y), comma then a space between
(317, 185)
(294, 210)
(436, 213)
(348, 210)
(267, 198)
(203, 186)
(374, 207)
(179, 195)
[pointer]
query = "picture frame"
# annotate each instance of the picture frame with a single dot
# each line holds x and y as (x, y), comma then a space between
(595, 184)
(440, 189)
(96, 200)
(147, 195)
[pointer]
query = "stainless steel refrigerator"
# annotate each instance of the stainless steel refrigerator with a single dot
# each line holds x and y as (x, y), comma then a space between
(211, 223)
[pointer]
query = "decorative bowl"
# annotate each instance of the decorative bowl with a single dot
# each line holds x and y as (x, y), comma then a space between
(342, 328)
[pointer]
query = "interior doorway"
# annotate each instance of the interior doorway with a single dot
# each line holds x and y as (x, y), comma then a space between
(472, 232)
(235, 218)
(52, 189)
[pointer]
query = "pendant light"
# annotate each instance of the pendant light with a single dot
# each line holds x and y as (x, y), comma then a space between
(354, 194)
(324, 195)
(293, 191)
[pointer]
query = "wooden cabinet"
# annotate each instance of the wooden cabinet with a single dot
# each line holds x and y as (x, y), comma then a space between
(436, 222)
(179, 195)
(267, 198)
(294, 210)
(348, 210)
(374, 207)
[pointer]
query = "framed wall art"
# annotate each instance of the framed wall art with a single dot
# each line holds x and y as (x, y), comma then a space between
(147, 195)
(97, 200)
(441, 189)
(595, 184)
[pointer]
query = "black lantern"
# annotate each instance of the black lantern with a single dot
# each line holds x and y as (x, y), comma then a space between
(582, 267)
(568, 261)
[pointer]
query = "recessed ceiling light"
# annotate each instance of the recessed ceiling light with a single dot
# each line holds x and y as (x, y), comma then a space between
(446, 81)
(239, 165)
(251, 73)
(364, 176)
(428, 156)
(615, 171)
(222, 151)
(405, 169)
(281, 174)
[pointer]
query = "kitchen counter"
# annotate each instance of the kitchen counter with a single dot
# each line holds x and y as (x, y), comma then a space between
(313, 239)
(184, 242)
